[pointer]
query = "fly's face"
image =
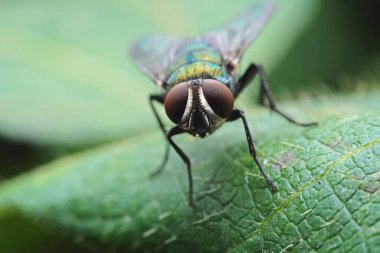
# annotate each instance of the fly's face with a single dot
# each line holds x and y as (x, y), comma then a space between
(199, 106)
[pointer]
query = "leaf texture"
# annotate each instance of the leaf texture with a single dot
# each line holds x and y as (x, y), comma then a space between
(328, 179)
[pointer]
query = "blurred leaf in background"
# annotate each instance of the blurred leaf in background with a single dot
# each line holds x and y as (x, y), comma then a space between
(65, 78)
(339, 50)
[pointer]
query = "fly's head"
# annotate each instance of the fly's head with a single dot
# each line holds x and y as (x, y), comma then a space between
(199, 106)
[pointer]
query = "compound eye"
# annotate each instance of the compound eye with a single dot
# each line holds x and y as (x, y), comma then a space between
(219, 97)
(175, 102)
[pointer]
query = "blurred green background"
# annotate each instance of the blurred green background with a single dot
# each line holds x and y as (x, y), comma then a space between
(66, 83)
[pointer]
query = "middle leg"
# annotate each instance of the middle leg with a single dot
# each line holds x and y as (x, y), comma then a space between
(265, 92)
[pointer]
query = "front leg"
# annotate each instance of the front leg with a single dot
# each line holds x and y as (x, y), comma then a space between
(169, 136)
(264, 92)
(159, 98)
(238, 114)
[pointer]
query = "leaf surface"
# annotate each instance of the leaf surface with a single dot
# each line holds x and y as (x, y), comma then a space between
(328, 180)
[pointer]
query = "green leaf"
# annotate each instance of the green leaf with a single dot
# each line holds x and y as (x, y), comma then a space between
(328, 180)
(64, 75)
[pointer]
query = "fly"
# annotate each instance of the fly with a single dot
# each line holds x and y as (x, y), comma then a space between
(199, 81)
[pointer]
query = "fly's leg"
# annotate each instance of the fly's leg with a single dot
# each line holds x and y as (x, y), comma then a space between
(163, 163)
(172, 132)
(264, 92)
(246, 79)
(238, 114)
(159, 98)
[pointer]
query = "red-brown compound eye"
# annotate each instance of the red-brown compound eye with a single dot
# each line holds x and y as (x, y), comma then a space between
(219, 97)
(175, 102)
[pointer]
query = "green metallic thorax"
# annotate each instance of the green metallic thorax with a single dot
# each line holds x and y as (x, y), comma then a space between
(197, 61)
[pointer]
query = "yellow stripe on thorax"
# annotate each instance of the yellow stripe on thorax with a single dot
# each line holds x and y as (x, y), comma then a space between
(197, 70)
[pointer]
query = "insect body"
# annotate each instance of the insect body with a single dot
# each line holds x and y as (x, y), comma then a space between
(199, 80)
(200, 96)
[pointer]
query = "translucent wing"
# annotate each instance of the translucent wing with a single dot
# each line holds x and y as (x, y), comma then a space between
(233, 39)
(153, 54)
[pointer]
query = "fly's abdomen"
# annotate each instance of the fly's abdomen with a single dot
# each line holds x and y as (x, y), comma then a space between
(197, 61)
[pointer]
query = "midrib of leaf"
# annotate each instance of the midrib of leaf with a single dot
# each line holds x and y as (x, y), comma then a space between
(330, 167)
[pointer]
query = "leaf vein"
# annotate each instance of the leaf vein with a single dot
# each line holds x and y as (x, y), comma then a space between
(329, 167)
(359, 228)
